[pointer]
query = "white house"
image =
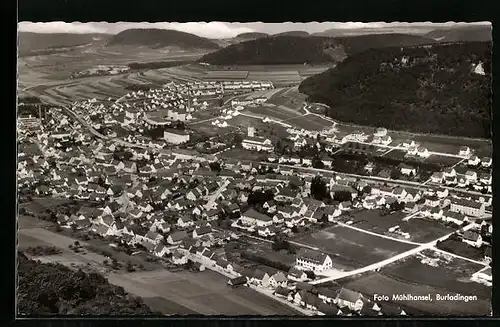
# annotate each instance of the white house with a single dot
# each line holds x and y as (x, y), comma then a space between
(473, 161)
(437, 177)
(407, 170)
(464, 151)
(486, 162)
(472, 238)
(471, 175)
(175, 136)
(278, 279)
(350, 299)
(313, 260)
(467, 207)
(254, 218)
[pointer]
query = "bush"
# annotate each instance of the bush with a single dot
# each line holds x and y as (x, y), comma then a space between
(43, 250)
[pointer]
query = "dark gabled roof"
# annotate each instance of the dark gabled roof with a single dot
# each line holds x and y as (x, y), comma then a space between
(348, 295)
(282, 291)
(252, 213)
(467, 203)
(304, 286)
(471, 235)
(247, 272)
(178, 236)
(259, 274)
(240, 280)
(327, 309)
(295, 272)
(203, 230)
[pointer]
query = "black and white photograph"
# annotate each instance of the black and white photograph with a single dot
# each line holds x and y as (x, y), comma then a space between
(339, 169)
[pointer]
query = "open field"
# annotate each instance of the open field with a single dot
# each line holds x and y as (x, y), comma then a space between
(190, 292)
(206, 128)
(373, 221)
(460, 248)
(452, 275)
(310, 122)
(226, 74)
(377, 283)
(204, 292)
(26, 222)
(357, 248)
(167, 307)
(442, 160)
(243, 154)
(421, 230)
(25, 241)
(273, 112)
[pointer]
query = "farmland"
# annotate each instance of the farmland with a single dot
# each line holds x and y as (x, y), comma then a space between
(421, 230)
(204, 292)
(427, 273)
(163, 290)
(310, 122)
(357, 248)
(377, 283)
(277, 113)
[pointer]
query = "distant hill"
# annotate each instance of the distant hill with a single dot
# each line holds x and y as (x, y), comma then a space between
(440, 88)
(276, 50)
(360, 43)
(251, 35)
(293, 33)
(35, 43)
(464, 33)
(312, 50)
(160, 38)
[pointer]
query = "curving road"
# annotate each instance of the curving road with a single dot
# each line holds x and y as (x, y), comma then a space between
(335, 275)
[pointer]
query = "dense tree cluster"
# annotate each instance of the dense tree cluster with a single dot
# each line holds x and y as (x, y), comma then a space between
(427, 89)
(43, 250)
(156, 64)
(276, 51)
(140, 87)
(299, 49)
(259, 197)
(263, 259)
(319, 190)
(46, 289)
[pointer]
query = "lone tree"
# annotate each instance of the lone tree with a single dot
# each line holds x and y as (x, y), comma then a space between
(318, 189)
(130, 266)
(215, 166)
(318, 163)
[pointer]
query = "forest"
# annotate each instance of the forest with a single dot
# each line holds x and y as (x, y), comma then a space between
(293, 49)
(436, 89)
(50, 289)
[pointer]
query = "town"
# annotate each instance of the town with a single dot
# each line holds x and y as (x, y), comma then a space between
(190, 176)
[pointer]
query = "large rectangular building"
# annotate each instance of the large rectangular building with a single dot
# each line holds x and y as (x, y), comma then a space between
(467, 207)
(175, 136)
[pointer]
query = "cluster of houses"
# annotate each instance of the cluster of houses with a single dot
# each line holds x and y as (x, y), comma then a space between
(101, 70)
(327, 299)
(479, 176)
(231, 86)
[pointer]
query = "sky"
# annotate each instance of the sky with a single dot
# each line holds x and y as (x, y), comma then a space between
(219, 30)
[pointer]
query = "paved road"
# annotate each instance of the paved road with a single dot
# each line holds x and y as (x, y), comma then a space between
(213, 197)
(376, 234)
(389, 181)
(335, 275)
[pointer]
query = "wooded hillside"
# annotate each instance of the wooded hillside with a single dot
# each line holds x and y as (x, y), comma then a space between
(442, 89)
